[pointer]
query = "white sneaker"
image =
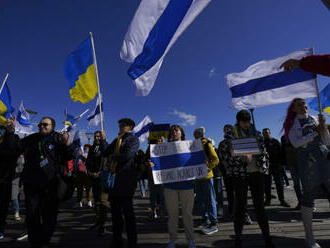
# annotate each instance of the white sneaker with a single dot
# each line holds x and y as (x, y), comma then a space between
(192, 244)
(210, 229)
(312, 244)
(171, 244)
(90, 204)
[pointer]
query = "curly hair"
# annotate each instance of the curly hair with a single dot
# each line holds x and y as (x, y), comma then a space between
(183, 136)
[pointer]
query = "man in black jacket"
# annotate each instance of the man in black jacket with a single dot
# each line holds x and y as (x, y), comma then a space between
(8, 157)
(273, 147)
(95, 164)
(121, 153)
(45, 153)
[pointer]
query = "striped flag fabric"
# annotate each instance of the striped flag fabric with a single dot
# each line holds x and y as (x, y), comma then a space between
(178, 161)
(142, 129)
(264, 83)
(156, 26)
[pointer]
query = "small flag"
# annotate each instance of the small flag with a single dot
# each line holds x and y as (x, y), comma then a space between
(79, 71)
(264, 83)
(23, 124)
(95, 118)
(325, 101)
(71, 122)
(156, 26)
(159, 130)
(5, 105)
(142, 129)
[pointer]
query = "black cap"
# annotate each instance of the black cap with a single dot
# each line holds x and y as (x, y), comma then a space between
(127, 121)
(243, 115)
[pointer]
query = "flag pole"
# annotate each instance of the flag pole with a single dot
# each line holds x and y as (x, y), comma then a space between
(3, 83)
(317, 90)
(98, 84)
(252, 115)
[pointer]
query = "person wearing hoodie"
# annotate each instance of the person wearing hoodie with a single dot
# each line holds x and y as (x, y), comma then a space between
(205, 192)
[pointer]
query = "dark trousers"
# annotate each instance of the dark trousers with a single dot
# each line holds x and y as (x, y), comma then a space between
(5, 196)
(229, 184)
(275, 171)
(123, 206)
(41, 212)
(256, 182)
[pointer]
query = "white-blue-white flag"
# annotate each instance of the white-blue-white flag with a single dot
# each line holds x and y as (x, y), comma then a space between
(95, 117)
(178, 161)
(157, 24)
(264, 83)
(23, 124)
(142, 129)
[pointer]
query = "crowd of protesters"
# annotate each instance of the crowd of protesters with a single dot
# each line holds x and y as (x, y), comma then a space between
(110, 172)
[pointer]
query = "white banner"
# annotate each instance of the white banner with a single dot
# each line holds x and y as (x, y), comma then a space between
(178, 161)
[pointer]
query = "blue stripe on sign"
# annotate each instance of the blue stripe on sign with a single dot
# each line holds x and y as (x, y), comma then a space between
(144, 129)
(178, 160)
(159, 37)
(273, 81)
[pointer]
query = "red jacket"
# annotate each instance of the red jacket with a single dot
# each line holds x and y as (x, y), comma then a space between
(318, 64)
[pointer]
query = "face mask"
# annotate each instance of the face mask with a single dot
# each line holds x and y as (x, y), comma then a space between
(86, 152)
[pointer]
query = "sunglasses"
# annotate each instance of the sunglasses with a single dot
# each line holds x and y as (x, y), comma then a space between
(43, 125)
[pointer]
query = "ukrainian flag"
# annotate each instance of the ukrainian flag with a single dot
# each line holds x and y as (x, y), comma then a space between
(5, 105)
(325, 101)
(79, 71)
(159, 130)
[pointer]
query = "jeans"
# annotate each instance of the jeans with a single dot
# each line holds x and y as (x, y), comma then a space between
(206, 200)
(218, 191)
(314, 170)
(143, 183)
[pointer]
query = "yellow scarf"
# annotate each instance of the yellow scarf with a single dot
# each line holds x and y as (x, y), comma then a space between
(117, 150)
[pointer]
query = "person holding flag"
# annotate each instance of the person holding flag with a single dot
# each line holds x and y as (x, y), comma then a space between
(310, 136)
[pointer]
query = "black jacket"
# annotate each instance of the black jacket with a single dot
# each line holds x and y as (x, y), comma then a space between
(126, 171)
(36, 148)
(95, 159)
(9, 152)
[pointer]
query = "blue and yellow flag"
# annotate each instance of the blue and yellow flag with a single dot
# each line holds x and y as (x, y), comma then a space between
(325, 101)
(5, 105)
(157, 131)
(79, 71)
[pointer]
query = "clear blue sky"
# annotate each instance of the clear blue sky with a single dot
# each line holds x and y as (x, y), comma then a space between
(228, 36)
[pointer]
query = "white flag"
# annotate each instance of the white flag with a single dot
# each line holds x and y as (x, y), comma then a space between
(157, 24)
(264, 83)
(23, 124)
(142, 129)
